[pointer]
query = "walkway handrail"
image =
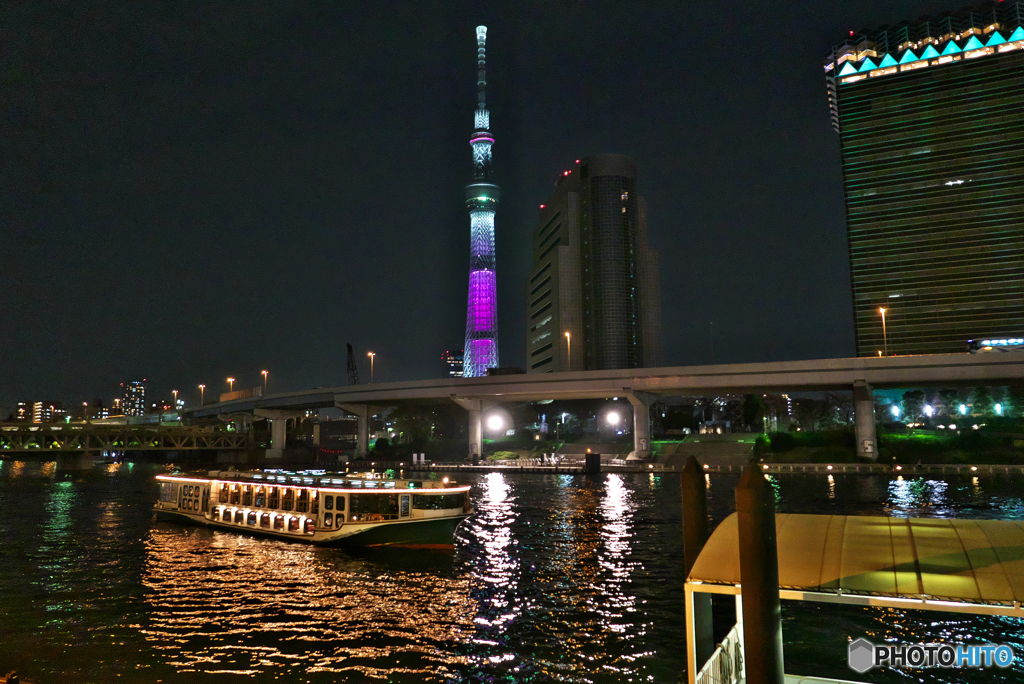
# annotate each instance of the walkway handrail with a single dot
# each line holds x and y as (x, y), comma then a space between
(725, 666)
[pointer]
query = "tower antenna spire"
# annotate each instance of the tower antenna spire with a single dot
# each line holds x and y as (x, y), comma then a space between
(481, 351)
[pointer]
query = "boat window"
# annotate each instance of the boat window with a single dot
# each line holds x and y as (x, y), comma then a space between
(293, 524)
(328, 503)
(274, 498)
(302, 506)
(261, 497)
(168, 492)
(247, 495)
(314, 503)
(287, 499)
(373, 507)
(235, 494)
(265, 520)
(339, 501)
(328, 519)
(310, 526)
(279, 522)
(239, 517)
(206, 500)
(223, 498)
(251, 519)
(404, 506)
(433, 502)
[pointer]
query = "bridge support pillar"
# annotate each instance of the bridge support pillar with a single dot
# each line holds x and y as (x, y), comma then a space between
(362, 414)
(476, 426)
(864, 418)
(695, 535)
(278, 428)
(641, 402)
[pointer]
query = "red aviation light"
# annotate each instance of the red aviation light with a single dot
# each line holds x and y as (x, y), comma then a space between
(543, 206)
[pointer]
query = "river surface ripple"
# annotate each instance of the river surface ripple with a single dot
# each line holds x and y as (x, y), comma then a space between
(556, 578)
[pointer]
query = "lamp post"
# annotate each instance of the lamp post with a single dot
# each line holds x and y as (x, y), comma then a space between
(202, 390)
(175, 393)
(885, 338)
(265, 374)
(568, 350)
(231, 384)
(371, 355)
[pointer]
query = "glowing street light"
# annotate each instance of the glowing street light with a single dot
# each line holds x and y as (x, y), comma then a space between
(371, 355)
(963, 409)
(231, 384)
(568, 350)
(175, 393)
(612, 418)
(885, 338)
(265, 374)
(929, 410)
(495, 422)
(895, 411)
(202, 391)
(999, 409)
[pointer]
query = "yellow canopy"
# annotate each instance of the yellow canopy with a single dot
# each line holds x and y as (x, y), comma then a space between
(927, 559)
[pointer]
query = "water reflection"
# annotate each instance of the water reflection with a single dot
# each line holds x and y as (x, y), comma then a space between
(221, 603)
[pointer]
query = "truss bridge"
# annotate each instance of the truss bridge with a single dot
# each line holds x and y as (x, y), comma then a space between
(61, 437)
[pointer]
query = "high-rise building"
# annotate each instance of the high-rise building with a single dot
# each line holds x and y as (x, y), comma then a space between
(40, 411)
(929, 120)
(481, 351)
(453, 364)
(593, 297)
(133, 398)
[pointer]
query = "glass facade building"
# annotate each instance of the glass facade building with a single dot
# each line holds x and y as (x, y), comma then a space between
(593, 299)
(929, 115)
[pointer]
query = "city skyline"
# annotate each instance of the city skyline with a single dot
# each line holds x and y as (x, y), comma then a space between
(198, 202)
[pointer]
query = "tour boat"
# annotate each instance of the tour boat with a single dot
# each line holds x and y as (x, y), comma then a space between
(319, 508)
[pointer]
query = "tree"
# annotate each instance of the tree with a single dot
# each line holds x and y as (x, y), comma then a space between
(1015, 395)
(981, 400)
(913, 405)
(754, 412)
(949, 403)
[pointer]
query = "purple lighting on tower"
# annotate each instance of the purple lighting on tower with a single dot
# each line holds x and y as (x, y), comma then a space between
(481, 351)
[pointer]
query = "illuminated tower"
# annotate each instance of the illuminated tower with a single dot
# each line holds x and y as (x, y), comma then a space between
(482, 198)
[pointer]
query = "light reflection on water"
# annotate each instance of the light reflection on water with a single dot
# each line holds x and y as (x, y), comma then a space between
(556, 578)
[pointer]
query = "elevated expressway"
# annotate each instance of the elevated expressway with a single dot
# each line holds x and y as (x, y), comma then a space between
(642, 386)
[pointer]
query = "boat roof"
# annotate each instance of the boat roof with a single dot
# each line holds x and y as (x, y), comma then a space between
(926, 562)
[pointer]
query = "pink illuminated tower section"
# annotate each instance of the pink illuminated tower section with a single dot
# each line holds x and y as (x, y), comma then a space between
(482, 198)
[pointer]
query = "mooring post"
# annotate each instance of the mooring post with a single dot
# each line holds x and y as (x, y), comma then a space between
(695, 535)
(759, 578)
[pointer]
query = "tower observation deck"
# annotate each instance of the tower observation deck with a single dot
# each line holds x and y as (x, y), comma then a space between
(481, 351)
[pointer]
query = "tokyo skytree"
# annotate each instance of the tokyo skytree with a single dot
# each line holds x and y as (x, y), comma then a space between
(481, 351)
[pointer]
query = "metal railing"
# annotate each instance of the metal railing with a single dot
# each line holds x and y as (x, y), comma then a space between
(726, 664)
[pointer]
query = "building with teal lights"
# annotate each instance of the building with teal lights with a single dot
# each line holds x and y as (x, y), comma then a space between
(932, 138)
(482, 196)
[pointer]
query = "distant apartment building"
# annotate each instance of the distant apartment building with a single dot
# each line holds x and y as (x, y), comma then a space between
(593, 297)
(932, 138)
(452, 363)
(39, 411)
(133, 398)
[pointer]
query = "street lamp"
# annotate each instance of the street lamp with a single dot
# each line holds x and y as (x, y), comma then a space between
(568, 350)
(371, 355)
(265, 373)
(612, 418)
(885, 338)
(895, 411)
(231, 384)
(202, 390)
(175, 393)
(495, 422)
(929, 410)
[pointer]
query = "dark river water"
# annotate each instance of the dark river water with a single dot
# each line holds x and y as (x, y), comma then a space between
(556, 578)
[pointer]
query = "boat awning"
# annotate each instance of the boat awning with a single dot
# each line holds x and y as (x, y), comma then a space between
(941, 564)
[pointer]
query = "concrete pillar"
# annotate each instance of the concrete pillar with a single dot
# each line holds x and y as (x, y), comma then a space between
(362, 414)
(759, 578)
(864, 411)
(278, 433)
(641, 402)
(695, 535)
(476, 426)
(476, 435)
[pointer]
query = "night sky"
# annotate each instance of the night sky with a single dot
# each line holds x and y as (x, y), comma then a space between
(195, 190)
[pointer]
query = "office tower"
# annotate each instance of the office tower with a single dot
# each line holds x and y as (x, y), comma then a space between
(481, 351)
(453, 363)
(39, 411)
(133, 398)
(929, 120)
(593, 298)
